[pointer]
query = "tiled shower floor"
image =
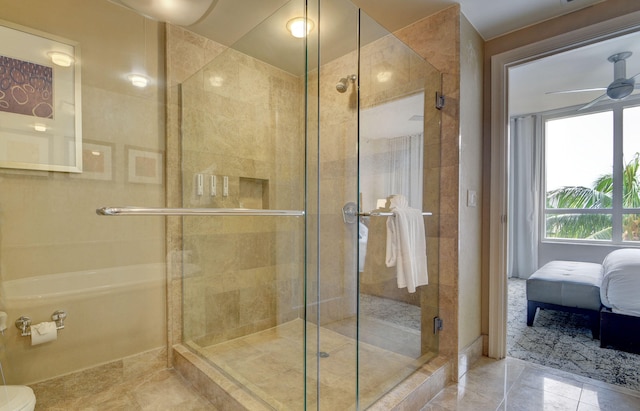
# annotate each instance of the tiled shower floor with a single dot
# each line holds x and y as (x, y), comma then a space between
(271, 365)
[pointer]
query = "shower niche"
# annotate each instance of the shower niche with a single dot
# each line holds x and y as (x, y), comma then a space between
(254, 193)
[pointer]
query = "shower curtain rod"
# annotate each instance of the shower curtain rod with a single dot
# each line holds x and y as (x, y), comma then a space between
(141, 211)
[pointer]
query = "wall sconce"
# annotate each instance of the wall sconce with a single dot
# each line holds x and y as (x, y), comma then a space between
(139, 80)
(60, 59)
(300, 27)
(40, 127)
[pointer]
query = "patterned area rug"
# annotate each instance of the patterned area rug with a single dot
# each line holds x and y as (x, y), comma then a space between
(563, 341)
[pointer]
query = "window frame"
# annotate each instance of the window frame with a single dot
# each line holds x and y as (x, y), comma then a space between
(617, 211)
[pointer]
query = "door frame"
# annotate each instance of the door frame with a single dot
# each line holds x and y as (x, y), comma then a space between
(499, 137)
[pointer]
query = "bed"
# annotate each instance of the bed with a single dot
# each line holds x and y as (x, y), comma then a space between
(608, 293)
(620, 296)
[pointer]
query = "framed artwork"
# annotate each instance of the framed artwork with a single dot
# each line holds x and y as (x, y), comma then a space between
(144, 166)
(97, 161)
(40, 108)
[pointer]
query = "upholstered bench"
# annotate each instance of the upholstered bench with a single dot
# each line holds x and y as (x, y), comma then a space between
(566, 286)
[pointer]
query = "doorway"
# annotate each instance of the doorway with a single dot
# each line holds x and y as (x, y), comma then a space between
(500, 234)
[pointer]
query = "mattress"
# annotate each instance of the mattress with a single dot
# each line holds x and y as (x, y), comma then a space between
(621, 282)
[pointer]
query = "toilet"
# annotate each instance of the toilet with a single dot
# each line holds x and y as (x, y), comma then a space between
(17, 398)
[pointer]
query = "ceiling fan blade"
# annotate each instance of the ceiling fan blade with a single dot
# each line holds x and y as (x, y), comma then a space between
(602, 97)
(577, 91)
(634, 77)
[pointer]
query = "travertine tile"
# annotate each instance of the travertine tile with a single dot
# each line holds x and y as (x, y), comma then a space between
(139, 382)
(608, 399)
(512, 384)
(269, 363)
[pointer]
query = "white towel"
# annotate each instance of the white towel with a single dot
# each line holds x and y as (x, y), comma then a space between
(406, 244)
(363, 236)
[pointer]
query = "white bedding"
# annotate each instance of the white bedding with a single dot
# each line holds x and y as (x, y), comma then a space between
(620, 289)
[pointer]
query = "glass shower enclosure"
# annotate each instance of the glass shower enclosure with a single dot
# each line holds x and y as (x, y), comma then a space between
(290, 297)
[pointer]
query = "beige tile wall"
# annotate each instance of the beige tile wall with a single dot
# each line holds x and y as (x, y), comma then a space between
(241, 118)
(437, 39)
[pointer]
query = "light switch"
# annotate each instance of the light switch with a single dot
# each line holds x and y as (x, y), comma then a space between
(472, 198)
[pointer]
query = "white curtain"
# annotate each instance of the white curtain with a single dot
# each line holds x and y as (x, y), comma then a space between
(524, 202)
(405, 168)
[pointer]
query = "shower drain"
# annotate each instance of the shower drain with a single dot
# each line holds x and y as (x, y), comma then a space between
(323, 354)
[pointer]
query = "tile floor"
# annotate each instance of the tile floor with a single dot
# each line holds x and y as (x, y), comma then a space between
(513, 384)
(141, 383)
(137, 383)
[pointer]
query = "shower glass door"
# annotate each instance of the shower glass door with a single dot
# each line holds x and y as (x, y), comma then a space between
(301, 312)
(332, 131)
(372, 132)
(398, 154)
(243, 144)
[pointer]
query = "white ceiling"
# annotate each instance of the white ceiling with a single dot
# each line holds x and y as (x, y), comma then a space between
(229, 20)
(256, 27)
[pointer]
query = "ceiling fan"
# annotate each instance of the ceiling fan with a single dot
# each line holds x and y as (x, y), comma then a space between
(621, 86)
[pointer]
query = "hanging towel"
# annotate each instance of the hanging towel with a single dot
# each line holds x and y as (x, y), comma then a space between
(406, 244)
(363, 236)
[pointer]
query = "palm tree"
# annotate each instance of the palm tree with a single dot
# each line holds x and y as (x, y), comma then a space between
(596, 226)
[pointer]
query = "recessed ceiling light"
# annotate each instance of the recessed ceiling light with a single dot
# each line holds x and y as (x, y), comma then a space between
(299, 27)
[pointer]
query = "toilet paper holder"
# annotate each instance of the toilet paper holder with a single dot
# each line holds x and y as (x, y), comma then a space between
(24, 323)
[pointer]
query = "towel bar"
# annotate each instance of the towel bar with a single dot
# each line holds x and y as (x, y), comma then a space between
(350, 213)
(385, 214)
(141, 211)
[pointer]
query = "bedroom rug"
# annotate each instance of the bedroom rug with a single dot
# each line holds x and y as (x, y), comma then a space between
(563, 341)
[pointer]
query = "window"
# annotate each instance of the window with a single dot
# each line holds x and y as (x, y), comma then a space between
(592, 175)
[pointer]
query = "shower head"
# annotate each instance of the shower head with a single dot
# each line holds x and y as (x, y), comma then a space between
(343, 83)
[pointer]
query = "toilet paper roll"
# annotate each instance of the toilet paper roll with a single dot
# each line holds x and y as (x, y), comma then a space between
(43, 332)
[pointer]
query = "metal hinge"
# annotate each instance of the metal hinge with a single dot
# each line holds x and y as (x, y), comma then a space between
(439, 101)
(437, 324)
